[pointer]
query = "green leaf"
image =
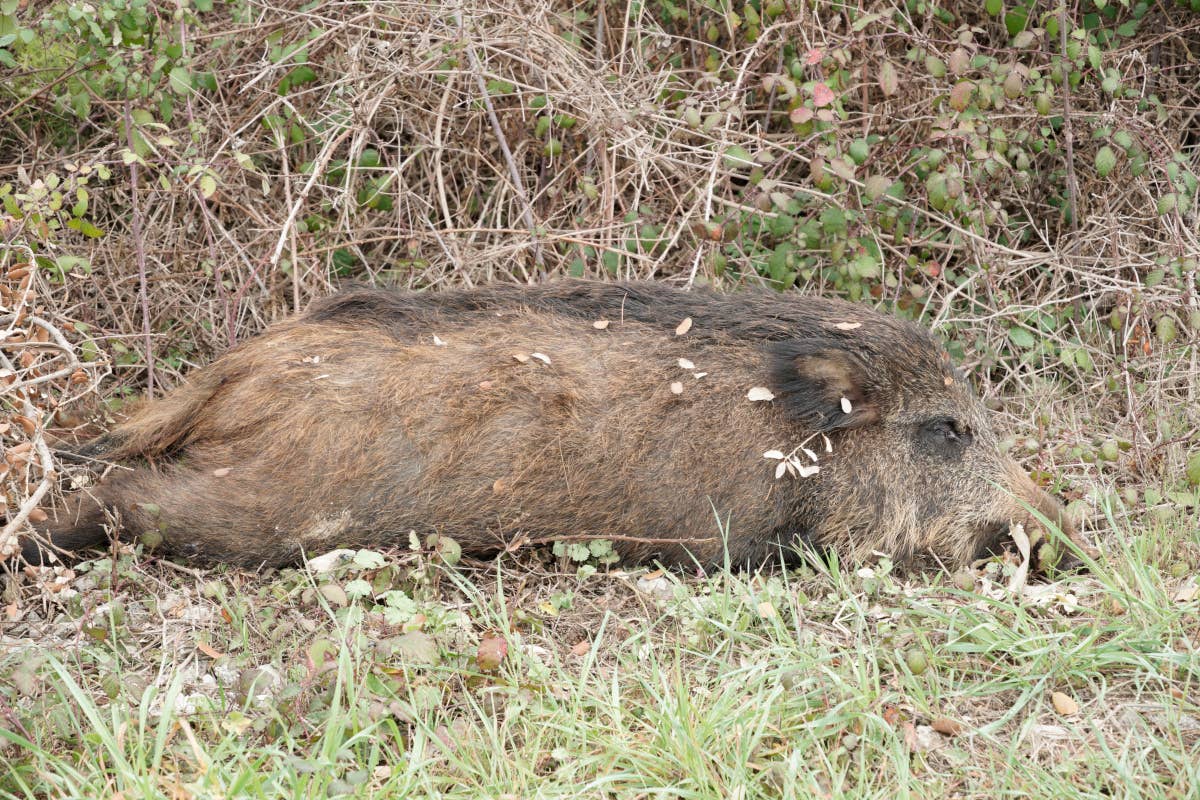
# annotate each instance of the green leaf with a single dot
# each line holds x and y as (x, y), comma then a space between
(208, 185)
(1106, 159)
(737, 157)
(1022, 338)
(140, 146)
(1014, 21)
(994, 7)
(368, 559)
(358, 588)
(86, 228)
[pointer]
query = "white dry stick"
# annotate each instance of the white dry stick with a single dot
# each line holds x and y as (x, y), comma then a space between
(1021, 540)
(513, 172)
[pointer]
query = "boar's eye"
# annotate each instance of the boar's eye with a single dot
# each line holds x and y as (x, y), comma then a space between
(945, 436)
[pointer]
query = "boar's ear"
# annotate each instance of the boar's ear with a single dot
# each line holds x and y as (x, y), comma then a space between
(817, 382)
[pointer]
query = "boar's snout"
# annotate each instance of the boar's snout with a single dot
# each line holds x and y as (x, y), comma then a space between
(1023, 502)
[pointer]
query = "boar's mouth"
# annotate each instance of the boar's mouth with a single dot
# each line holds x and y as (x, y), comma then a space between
(994, 540)
(997, 538)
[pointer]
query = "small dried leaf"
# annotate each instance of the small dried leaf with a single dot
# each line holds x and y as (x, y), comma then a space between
(1187, 592)
(437, 341)
(760, 393)
(38, 516)
(698, 375)
(600, 324)
(780, 468)
(921, 738)
(522, 357)
(822, 94)
(212, 653)
(545, 359)
(773, 454)
(848, 326)
(809, 453)
(676, 387)
(26, 424)
(684, 326)
(221, 473)
(948, 380)
(828, 444)
(685, 364)
(327, 561)
(491, 652)
(1064, 704)
(947, 726)
(499, 486)
(582, 648)
(846, 407)
(806, 470)
(485, 385)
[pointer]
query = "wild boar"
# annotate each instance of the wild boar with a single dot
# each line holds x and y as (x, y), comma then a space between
(686, 426)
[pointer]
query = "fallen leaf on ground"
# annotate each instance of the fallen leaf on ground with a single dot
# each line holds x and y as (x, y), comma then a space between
(1064, 704)
(491, 652)
(209, 651)
(947, 726)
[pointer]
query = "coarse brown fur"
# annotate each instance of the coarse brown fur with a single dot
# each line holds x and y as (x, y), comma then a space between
(494, 413)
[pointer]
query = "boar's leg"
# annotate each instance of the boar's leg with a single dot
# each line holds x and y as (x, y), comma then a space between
(79, 527)
(196, 514)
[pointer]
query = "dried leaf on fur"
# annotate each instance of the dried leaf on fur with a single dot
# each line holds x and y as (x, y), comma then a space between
(759, 394)
(773, 454)
(684, 326)
(221, 473)
(676, 387)
(848, 326)
(600, 324)
(522, 357)
(545, 359)
(846, 406)
(437, 342)
(686, 364)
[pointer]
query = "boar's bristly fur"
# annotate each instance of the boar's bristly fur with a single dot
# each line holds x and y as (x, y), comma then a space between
(503, 412)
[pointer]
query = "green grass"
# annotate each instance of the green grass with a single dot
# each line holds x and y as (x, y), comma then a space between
(810, 683)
